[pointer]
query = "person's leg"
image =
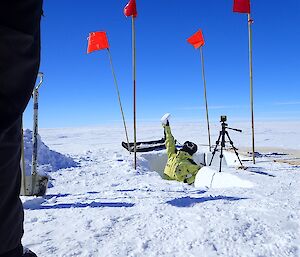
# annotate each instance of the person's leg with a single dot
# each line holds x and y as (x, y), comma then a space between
(17, 252)
(19, 64)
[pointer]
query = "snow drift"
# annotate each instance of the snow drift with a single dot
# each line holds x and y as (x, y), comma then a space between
(48, 160)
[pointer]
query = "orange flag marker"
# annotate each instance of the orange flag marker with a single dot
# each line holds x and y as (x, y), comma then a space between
(241, 6)
(97, 41)
(130, 9)
(197, 40)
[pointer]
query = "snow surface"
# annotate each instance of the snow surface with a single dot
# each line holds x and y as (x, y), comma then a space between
(103, 207)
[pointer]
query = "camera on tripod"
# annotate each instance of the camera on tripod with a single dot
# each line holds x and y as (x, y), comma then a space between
(223, 118)
(224, 125)
(221, 139)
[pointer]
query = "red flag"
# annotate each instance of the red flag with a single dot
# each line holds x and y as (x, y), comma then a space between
(130, 9)
(241, 6)
(197, 39)
(97, 41)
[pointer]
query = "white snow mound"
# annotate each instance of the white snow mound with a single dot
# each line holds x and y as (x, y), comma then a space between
(48, 160)
(210, 178)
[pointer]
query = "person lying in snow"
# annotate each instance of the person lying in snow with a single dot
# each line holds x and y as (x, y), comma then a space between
(180, 165)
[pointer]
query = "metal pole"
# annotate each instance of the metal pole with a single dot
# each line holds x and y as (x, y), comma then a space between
(119, 98)
(35, 129)
(134, 89)
(251, 83)
(205, 97)
(24, 190)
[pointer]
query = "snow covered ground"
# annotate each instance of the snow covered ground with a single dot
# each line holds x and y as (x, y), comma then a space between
(103, 207)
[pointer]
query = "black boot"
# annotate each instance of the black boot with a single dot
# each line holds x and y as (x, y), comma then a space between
(28, 253)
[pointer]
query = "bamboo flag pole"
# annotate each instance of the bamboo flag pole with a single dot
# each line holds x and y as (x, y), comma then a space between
(98, 41)
(243, 6)
(251, 83)
(134, 87)
(197, 41)
(205, 97)
(119, 97)
(130, 10)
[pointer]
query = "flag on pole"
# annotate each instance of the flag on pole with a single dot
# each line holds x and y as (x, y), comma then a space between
(97, 41)
(241, 6)
(197, 40)
(130, 9)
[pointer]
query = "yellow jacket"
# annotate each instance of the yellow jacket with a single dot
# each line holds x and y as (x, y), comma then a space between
(180, 165)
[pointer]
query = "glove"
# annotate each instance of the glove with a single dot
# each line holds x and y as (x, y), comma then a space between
(165, 119)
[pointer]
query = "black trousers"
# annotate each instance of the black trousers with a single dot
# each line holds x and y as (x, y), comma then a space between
(19, 64)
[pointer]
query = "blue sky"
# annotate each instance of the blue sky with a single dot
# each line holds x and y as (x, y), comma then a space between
(78, 89)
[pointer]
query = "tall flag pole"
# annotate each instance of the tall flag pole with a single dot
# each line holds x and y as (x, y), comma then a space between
(197, 40)
(130, 10)
(250, 21)
(243, 6)
(98, 41)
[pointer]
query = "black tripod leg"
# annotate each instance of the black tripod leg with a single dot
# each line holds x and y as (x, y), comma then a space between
(222, 146)
(214, 152)
(236, 153)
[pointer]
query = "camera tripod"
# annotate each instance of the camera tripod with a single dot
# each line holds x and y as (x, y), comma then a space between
(222, 135)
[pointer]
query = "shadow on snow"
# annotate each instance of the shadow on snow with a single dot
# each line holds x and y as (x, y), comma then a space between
(29, 205)
(190, 201)
(162, 190)
(260, 171)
